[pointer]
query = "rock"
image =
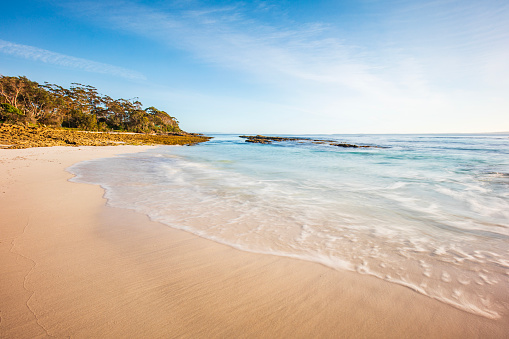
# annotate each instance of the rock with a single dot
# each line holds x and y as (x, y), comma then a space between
(14, 136)
(261, 139)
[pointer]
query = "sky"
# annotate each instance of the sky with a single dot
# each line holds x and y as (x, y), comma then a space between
(277, 67)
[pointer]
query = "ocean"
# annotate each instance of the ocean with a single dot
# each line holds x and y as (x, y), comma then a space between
(429, 212)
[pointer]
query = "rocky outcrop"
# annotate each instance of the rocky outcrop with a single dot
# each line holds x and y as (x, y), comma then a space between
(261, 139)
(18, 136)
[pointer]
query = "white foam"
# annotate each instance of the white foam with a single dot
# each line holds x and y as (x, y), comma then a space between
(411, 229)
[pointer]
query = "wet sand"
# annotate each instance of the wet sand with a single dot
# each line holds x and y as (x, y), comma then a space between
(72, 266)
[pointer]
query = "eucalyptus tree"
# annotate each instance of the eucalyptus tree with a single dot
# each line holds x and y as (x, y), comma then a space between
(79, 106)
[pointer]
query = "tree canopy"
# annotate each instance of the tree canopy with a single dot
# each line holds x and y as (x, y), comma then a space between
(80, 106)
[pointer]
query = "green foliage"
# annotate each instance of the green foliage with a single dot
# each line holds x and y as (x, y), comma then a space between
(79, 106)
(162, 121)
(80, 120)
(9, 112)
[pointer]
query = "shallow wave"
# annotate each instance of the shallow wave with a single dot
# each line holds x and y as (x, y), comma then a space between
(412, 220)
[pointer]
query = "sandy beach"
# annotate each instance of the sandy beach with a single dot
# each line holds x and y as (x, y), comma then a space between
(70, 266)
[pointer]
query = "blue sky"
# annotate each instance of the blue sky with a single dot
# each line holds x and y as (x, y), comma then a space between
(363, 66)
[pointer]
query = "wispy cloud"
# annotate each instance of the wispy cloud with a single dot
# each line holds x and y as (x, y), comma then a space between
(42, 55)
(416, 61)
(309, 54)
(229, 37)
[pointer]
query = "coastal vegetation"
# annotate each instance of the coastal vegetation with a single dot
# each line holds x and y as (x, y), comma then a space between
(23, 101)
(33, 115)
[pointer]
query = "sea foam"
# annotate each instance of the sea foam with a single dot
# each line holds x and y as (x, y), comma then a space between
(425, 212)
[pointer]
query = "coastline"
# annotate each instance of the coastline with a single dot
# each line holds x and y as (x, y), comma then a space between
(73, 266)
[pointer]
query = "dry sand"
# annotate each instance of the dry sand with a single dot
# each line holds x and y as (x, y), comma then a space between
(71, 266)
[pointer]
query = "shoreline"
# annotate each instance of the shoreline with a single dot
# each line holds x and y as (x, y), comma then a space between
(89, 270)
(20, 136)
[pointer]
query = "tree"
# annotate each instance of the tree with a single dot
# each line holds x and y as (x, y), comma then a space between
(162, 120)
(9, 112)
(80, 106)
(10, 88)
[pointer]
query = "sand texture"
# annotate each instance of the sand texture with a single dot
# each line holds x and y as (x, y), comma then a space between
(72, 267)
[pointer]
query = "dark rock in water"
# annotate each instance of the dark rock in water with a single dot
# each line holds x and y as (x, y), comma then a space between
(261, 139)
(349, 145)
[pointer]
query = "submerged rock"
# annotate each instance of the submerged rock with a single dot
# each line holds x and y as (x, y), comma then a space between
(349, 145)
(261, 139)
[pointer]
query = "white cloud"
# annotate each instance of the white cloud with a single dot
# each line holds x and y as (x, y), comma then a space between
(306, 58)
(426, 56)
(42, 55)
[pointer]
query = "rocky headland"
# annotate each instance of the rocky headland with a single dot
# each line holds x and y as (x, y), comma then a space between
(20, 136)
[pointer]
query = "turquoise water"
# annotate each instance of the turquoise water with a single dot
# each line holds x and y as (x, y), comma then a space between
(430, 212)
